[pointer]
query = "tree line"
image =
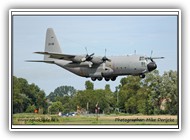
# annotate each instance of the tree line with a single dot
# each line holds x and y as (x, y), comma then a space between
(27, 97)
(153, 95)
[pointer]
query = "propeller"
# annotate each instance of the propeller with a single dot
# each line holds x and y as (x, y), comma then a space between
(87, 57)
(152, 65)
(151, 58)
(104, 59)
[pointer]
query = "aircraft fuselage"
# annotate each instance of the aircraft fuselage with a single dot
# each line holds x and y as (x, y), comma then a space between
(96, 67)
(119, 65)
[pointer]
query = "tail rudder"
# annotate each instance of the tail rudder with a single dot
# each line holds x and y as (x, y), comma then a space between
(51, 44)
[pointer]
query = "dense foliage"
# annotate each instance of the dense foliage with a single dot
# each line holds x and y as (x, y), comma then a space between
(27, 97)
(154, 94)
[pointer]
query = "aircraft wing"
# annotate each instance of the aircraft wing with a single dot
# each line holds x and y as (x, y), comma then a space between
(83, 60)
(58, 56)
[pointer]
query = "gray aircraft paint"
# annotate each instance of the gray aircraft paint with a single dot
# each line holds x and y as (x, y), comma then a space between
(96, 67)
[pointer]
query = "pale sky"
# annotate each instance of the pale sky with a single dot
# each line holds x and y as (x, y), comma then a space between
(120, 35)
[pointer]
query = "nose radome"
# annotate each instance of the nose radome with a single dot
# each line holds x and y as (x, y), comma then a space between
(151, 66)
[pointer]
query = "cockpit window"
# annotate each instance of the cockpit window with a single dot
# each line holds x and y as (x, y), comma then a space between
(141, 58)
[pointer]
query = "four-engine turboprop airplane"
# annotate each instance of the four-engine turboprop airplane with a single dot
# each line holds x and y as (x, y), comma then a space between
(96, 67)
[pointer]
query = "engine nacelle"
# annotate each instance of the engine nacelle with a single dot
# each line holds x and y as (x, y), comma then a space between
(78, 59)
(96, 60)
(107, 72)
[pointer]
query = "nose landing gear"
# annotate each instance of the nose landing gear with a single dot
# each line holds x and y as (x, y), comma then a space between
(142, 75)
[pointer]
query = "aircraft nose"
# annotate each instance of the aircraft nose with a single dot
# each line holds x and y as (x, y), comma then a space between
(151, 66)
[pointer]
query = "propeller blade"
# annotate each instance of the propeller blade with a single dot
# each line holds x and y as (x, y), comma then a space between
(152, 58)
(86, 50)
(91, 55)
(151, 53)
(104, 65)
(87, 57)
(158, 57)
(104, 59)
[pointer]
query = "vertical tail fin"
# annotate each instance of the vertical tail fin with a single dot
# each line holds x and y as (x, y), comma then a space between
(51, 44)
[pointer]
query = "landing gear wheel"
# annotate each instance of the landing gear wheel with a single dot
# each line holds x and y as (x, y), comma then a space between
(142, 76)
(113, 78)
(93, 78)
(107, 79)
(99, 78)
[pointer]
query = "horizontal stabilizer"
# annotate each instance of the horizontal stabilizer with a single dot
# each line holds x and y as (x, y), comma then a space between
(40, 61)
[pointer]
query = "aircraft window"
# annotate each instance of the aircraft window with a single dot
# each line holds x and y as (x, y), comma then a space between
(50, 44)
(141, 58)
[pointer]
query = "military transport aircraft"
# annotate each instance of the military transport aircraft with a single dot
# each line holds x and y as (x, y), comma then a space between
(96, 67)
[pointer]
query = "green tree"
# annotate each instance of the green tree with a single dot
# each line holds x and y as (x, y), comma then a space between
(88, 99)
(30, 109)
(65, 95)
(143, 105)
(107, 88)
(149, 93)
(25, 95)
(162, 89)
(170, 92)
(89, 85)
(55, 108)
(128, 94)
(61, 91)
(20, 100)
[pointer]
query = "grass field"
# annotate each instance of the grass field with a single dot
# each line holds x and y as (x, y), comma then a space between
(94, 119)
